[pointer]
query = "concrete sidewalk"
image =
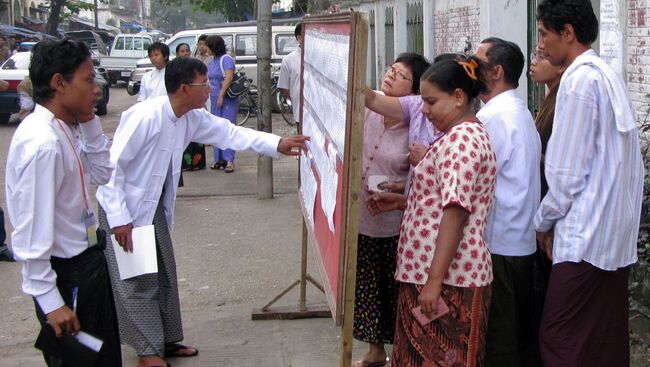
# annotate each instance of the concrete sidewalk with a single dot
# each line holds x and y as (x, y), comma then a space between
(234, 253)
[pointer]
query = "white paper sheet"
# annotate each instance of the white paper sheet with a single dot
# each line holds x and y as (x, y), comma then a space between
(143, 259)
(89, 341)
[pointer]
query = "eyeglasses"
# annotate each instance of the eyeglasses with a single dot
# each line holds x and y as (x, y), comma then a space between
(205, 85)
(536, 57)
(391, 70)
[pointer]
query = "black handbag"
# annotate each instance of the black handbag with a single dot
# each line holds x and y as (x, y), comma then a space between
(240, 83)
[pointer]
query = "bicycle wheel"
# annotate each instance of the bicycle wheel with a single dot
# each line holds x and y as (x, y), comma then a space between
(246, 107)
(285, 109)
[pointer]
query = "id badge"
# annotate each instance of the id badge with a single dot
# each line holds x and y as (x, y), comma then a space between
(91, 227)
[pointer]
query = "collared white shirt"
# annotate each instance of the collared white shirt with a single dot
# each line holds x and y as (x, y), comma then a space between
(290, 79)
(515, 140)
(152, 85)
(45, 201)
(149, 140)
(595, 176)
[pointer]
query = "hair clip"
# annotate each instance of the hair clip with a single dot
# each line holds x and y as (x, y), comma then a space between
(470, 68)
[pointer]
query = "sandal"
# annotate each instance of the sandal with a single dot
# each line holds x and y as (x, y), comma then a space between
(220, 164)
(175, 350)
(230, 167)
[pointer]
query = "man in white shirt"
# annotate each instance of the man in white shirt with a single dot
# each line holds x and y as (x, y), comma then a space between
(142, 190)
(54, 152)
(289, 80)
(588, 222)
(511, 337)
(153, 82)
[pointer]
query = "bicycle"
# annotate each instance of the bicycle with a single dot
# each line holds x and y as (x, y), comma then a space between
(248, 103)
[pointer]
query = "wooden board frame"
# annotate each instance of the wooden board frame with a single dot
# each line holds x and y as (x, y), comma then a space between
(341, 302)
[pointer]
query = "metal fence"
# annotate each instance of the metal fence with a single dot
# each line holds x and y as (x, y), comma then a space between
(415, 28)
(390, 35)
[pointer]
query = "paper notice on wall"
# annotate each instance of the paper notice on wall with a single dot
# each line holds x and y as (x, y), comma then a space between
(612, 35)
(308, 186)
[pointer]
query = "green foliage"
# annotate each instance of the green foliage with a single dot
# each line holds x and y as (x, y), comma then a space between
(232, 10)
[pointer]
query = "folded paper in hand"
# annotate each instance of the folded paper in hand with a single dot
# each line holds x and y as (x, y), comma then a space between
(79, 350)
(143, 259)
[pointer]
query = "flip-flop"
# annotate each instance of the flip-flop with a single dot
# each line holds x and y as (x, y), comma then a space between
(172, 349)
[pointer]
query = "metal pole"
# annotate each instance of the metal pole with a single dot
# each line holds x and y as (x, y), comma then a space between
(96, 19)
(264, 164)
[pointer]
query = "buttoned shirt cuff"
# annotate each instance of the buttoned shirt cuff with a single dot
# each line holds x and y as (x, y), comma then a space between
(50, 301)
(542, 225)
(118, 219)
(91, 129)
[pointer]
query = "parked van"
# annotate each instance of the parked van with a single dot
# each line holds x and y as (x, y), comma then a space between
(241, 44)
(125, 52)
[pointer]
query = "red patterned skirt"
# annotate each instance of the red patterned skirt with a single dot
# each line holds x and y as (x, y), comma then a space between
(454, 340)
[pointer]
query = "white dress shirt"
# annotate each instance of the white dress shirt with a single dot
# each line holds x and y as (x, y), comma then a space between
(510, 230)
(150, 141)
(152, 85)
(594, 173)
(290, 79)
(45, 201)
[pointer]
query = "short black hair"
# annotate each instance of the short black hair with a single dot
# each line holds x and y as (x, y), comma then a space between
(178, 47)
(159, 46)
(449, 74)
(203, 37)
(216, 45)
(417, 64)
(54, 57)
(182, 70)
(455, 56)
(555, 14)
(508, 55)
(298, 31)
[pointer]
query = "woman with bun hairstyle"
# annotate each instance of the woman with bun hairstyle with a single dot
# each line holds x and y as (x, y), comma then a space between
(443, 260)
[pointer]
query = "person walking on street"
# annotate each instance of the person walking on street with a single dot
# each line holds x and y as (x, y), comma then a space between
(147, 150)
(588, 222)
(54, 153)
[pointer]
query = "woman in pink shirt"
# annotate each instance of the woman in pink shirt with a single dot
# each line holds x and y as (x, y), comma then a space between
(384, 160)
(443, 260)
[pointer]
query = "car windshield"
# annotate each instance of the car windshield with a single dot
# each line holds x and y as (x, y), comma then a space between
(17, 62)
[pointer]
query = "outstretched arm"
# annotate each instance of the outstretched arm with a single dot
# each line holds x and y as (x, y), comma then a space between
(384, 105)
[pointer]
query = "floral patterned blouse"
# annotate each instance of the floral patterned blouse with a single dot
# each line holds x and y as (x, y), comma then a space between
(459, 169)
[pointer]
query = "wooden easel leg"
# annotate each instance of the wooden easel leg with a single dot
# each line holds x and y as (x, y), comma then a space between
(291, 312)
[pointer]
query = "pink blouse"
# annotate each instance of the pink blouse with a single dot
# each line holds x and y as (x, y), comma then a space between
(460, 169)
(384, 153)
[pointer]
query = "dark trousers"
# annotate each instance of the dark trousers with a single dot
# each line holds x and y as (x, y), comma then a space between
(512, 331)
(585, 320)
(95, 309)
(3, 233)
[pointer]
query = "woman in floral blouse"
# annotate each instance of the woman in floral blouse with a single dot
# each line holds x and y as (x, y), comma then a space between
(442, 251)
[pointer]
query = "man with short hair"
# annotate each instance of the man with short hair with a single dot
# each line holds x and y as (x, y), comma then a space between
(204, 52)
(54, 152)
(147, 150)
(153, 82)
(588, 222)
(289, 80)
(509, 231)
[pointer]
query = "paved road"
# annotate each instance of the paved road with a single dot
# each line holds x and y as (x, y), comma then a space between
(234, 253)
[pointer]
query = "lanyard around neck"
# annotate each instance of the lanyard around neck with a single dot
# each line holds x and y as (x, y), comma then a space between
(81, 169)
